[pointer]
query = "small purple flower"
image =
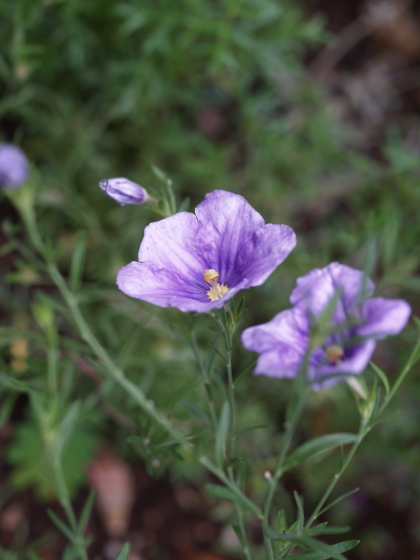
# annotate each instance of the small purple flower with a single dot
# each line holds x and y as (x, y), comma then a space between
(13, 166)
(196, 262)
(123, 191)
(334, 319)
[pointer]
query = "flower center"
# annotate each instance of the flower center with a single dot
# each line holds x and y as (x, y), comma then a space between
(217, 290)
(334, 354)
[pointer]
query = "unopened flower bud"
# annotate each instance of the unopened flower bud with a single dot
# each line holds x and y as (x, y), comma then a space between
(13, 166)
(124, 191)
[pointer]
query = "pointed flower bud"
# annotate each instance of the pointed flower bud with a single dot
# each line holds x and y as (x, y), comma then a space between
(124, 191)
(13, 166)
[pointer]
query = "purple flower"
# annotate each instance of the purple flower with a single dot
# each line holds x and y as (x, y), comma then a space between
(123, 191)
(13, 166)
(334, 319)
(196, 262)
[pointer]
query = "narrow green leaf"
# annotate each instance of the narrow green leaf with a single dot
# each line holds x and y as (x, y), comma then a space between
(245, 370)
(299, 504)
(67, 532)
(133, 339)
(87, 510)
(381, 376)
(235, 490)
(324, 529)
(67, 427)
(124, 552)
(241, 476)
(311, 448)
(6, 409)
(77, 262)
(161, 176)
(334, 551)
(223, 493)
(222, 435)
(252, 428)
(180, 393)
(220, 385)
(281, 521)
(196, 411)
(338, 500)
(324, 551)
(185, 205)
(216, 351)
(14, 384)
(240, 535)
(212, 355)
(240, 307)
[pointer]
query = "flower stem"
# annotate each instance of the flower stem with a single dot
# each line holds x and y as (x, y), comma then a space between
(362, 433)
(295, 410)
(365, 428)
(206, 381)
(228, 331)
(241, 524)
(86, 333)
(115, 372)
(410, 362)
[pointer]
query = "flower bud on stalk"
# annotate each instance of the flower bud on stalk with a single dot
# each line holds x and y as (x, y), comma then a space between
(13, 166)
(124, 191)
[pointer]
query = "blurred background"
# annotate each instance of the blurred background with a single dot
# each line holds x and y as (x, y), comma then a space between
(308, 108)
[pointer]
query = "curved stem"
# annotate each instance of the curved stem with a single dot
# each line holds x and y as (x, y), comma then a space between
(86, 333)
(115, 372)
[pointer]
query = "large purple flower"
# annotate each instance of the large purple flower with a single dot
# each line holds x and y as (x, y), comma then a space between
(196, 262)
(334, 319)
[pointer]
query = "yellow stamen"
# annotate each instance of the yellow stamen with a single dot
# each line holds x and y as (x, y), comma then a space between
(211, 276)
(334, 354)
(216, 291)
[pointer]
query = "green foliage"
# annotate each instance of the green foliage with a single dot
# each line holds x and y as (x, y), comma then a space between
(31, 463)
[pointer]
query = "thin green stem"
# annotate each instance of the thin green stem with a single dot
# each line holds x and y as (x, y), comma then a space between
(86, 333)
(52, 366)
(228, 330)
(365, 428)
(410, 362)
(241, 524)
(206, 381)
(362, 434)
(273, 480)
(114, 371)
(65, 502)
(231, 389)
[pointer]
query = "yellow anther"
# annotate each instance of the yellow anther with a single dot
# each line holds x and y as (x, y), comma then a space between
(211, 276)
(216, 291)
(334, 354)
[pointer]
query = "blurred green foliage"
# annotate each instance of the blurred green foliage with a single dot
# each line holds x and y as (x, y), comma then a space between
(216, 94)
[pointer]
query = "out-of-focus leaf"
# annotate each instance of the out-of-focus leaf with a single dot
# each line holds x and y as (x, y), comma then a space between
(311, 448)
